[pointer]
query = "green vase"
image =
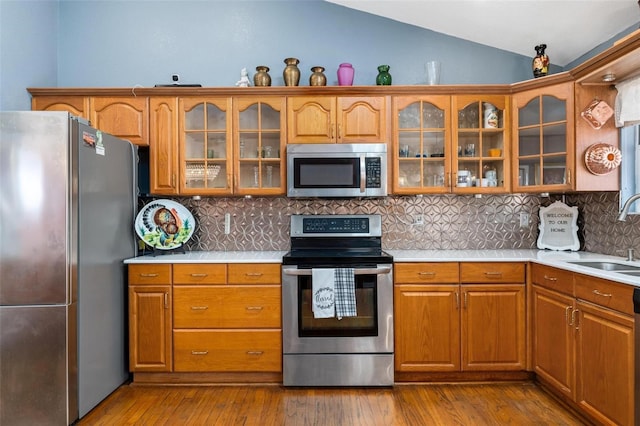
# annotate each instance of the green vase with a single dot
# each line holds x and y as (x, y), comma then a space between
(383, 78)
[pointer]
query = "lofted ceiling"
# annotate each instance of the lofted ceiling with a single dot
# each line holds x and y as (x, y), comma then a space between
(570, 28)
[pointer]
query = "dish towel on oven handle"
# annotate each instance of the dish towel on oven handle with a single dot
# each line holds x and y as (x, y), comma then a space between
(322, 292)
(345, 290)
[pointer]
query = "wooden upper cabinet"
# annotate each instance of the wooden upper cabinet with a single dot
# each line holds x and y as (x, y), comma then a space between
(163, 146)
(324, 119)
(481, 143)
(421, 144)
(258, 145)
(76, 105)
(206, 166)
(543, 141)
(126, 118)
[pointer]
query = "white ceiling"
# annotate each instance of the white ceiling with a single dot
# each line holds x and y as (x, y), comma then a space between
(570, 28)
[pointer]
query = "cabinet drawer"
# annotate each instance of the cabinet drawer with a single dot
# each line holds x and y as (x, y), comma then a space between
(226, 307)
(199, 273)
(151, 273)
(426, 272)
(492, 272)
(604, 293)
(552, 278)
(227, 350)
(254, 273)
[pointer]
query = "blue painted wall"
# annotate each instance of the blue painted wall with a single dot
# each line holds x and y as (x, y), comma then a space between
(115, 43)
(28, 49)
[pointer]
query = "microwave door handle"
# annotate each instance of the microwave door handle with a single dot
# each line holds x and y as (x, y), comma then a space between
(363, 174)
(362, 271)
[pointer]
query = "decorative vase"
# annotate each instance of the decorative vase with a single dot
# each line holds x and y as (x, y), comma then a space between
(262, 77)
(345, 74)
(317, 77)
(540, 62)
(383, 78)
(291, 73)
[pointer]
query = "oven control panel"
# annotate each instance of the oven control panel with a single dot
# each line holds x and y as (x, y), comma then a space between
(330, 225)
(338, 225)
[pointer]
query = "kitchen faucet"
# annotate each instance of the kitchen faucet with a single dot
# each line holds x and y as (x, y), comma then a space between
(625, 209)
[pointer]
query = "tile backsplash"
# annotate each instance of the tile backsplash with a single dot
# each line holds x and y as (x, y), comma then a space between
(445, 222)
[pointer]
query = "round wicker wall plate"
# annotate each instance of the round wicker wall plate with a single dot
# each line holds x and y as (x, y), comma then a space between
(602, 158)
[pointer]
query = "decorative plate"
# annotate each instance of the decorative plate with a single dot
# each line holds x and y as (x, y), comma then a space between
(164, 224)
(597, 113)
(602, 158)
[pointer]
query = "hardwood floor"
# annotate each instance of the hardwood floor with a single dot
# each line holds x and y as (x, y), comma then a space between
(521, 403)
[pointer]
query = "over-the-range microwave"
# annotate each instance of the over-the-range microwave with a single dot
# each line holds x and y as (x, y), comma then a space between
(337, 170)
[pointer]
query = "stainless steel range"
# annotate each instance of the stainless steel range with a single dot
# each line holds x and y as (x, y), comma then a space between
(324, 344)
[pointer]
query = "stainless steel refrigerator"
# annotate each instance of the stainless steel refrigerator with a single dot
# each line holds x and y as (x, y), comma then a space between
(67, 207)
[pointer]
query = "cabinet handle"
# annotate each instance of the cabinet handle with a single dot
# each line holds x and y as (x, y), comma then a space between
(331, 127)
(569, 176)
(566, 316)
(257, 353)
(550, 278)
(599, 293)
(339, 131)
(574, 319)
(199, 308)
(254, 308)
(149, 275)
(199, 352)
(199, 275)
(173, 180)
(457, 300)
(465, 300)
(166, 300)
(493, 274)
(432, 274)
(254, 274)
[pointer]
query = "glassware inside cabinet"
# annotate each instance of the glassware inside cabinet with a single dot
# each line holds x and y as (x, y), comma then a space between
(260, 175)
(433, 117)
(469, 116)
(200, 174)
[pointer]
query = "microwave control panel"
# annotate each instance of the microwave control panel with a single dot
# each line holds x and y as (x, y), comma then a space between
(374, 167)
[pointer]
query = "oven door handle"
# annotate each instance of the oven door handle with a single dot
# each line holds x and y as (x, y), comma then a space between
(362, 271)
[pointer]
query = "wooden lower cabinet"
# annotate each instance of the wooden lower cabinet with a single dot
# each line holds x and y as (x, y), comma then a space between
(493, 327)
(150, 348)
(227, 350)
(583, 342)
(206, 319)
(443, 325)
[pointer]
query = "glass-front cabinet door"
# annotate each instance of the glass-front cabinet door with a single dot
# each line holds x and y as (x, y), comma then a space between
(205, 134)
(421, 144)
(259, 145)
(543, 140)
(480, 143)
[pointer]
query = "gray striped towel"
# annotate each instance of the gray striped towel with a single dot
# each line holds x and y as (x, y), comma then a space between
(345, 293)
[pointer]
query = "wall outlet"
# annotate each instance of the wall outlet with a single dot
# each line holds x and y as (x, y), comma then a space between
(418, 219)
(524, 220)
(227, 223)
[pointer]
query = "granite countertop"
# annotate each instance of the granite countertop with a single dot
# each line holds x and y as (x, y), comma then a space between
(558, 259)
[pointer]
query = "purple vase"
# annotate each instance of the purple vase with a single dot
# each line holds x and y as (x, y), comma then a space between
(345, 74)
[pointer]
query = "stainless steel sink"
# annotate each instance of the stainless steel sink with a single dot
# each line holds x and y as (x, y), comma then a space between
(609, 266)
(631, 273)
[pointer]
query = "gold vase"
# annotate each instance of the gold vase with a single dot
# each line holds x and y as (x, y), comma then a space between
(317, 78)
(262, 77)
(291, 73)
